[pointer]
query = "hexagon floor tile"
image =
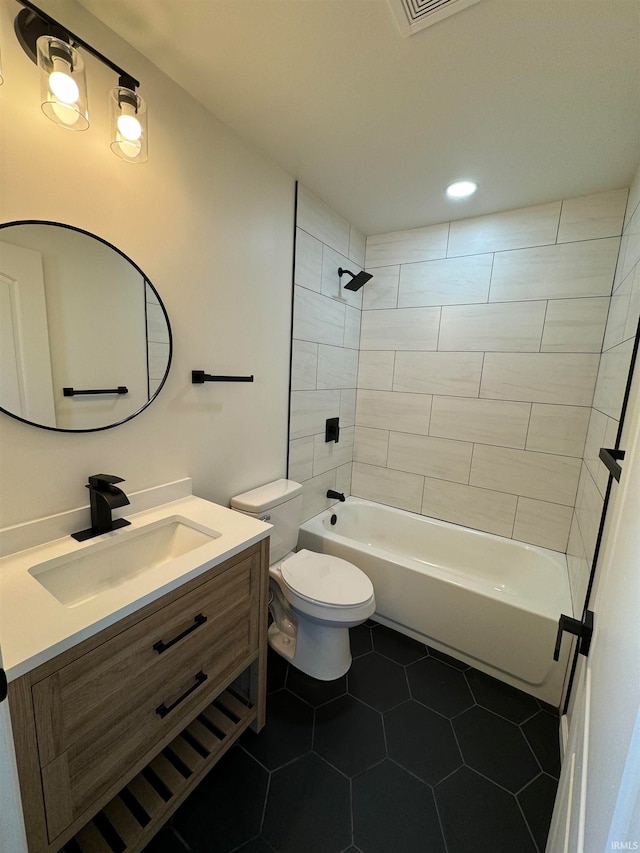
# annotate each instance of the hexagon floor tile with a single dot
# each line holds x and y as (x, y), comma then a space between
(412, 751)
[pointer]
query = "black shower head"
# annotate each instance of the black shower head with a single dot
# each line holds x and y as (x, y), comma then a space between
(357, 279)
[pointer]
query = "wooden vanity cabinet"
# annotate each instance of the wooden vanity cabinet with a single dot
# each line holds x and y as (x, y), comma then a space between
(113, 734)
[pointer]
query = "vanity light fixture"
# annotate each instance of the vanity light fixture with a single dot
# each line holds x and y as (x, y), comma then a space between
(63, 89)
(461, 189)
(128, 120)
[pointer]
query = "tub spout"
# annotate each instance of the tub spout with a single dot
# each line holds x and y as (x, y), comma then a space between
(336, 496)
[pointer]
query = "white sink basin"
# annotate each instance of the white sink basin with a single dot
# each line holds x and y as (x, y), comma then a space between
(79, 577)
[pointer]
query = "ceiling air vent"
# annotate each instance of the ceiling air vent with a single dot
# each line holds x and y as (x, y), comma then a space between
(414, 15)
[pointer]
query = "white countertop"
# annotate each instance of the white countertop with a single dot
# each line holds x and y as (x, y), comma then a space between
(35, 626)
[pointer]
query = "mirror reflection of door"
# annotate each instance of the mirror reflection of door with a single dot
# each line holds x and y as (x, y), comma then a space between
(99, 326)
(25, 367)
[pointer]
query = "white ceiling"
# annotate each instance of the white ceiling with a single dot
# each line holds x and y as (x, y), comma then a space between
(534, 99)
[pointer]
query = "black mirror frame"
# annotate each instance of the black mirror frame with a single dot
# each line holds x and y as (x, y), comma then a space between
(145, 279)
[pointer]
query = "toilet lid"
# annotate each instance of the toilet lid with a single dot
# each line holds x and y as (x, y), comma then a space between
(325, 579)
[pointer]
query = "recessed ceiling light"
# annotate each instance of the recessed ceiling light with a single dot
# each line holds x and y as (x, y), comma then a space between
(461, 189)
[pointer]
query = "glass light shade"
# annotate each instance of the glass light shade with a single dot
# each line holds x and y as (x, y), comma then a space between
(461, 189)
(63, 88)
(128, 122)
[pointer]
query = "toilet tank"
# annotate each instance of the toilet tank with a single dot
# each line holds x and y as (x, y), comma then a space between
(280, 503)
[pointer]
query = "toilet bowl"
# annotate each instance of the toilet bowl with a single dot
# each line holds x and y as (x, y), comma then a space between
(316, 598)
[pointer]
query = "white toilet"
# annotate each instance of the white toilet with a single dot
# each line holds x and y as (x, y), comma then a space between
(316, 598)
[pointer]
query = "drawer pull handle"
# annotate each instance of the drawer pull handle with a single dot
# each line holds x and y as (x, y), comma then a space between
(163, 710)
(161, 646)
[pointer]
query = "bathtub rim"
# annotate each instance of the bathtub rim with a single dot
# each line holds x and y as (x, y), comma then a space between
(315, 525)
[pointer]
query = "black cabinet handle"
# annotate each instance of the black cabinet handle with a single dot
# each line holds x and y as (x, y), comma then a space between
(163, 710)
(161, 646)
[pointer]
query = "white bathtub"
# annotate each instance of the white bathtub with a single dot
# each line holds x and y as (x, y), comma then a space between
(491, 602)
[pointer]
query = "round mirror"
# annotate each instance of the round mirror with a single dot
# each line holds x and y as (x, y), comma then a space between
(85, 341)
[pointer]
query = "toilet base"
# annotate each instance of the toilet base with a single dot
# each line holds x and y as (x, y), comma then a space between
(323, 652)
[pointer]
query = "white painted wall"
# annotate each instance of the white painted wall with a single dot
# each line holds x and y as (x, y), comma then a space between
(210, 221)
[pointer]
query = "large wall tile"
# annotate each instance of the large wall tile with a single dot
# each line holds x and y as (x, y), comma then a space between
(382, 290)
(375, 370)
(314, 493)
(343, 478)
(406, 247)
(308, 272)
(542, 523)
(612, 379)
(564, 378)
(309, 411)
(317, 318)
(555, 272)
(371, 446)
(633, 312)
(394, 410)
(405, 329)
(575, 325)
(495, 327)
(483, 421)
(452, 281)
(394, 488)
(482, 509)
(592, 216)
(514, 229)
(520, 472)
(577, 566)
(618, 313)
(158, 355)
(348, 407)
(301, 459)
(438, 373)
(337, 367)
(558, 429)
(318, 219)
(630, 246)
(633, 202)
(589, 504)
(352, 327)
(602, 432)
(304, 366)
(331, 454)
(157, 330)
(433, 457)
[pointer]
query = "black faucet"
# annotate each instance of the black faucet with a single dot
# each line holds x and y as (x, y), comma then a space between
(105, 496)
(336, 496)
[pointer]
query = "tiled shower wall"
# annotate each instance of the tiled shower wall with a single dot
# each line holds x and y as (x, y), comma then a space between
(620, 332)
(479, 351)
(326, 335)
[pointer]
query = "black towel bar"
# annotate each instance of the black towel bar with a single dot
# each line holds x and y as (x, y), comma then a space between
(73, 392)
(199, 376)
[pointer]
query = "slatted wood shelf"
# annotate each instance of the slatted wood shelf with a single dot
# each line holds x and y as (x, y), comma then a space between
(129, 821)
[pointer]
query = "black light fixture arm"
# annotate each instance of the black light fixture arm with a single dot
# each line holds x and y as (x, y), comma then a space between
(32, 22)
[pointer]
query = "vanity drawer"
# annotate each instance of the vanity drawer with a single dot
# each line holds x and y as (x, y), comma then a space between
(98, 690)
(90, 767)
